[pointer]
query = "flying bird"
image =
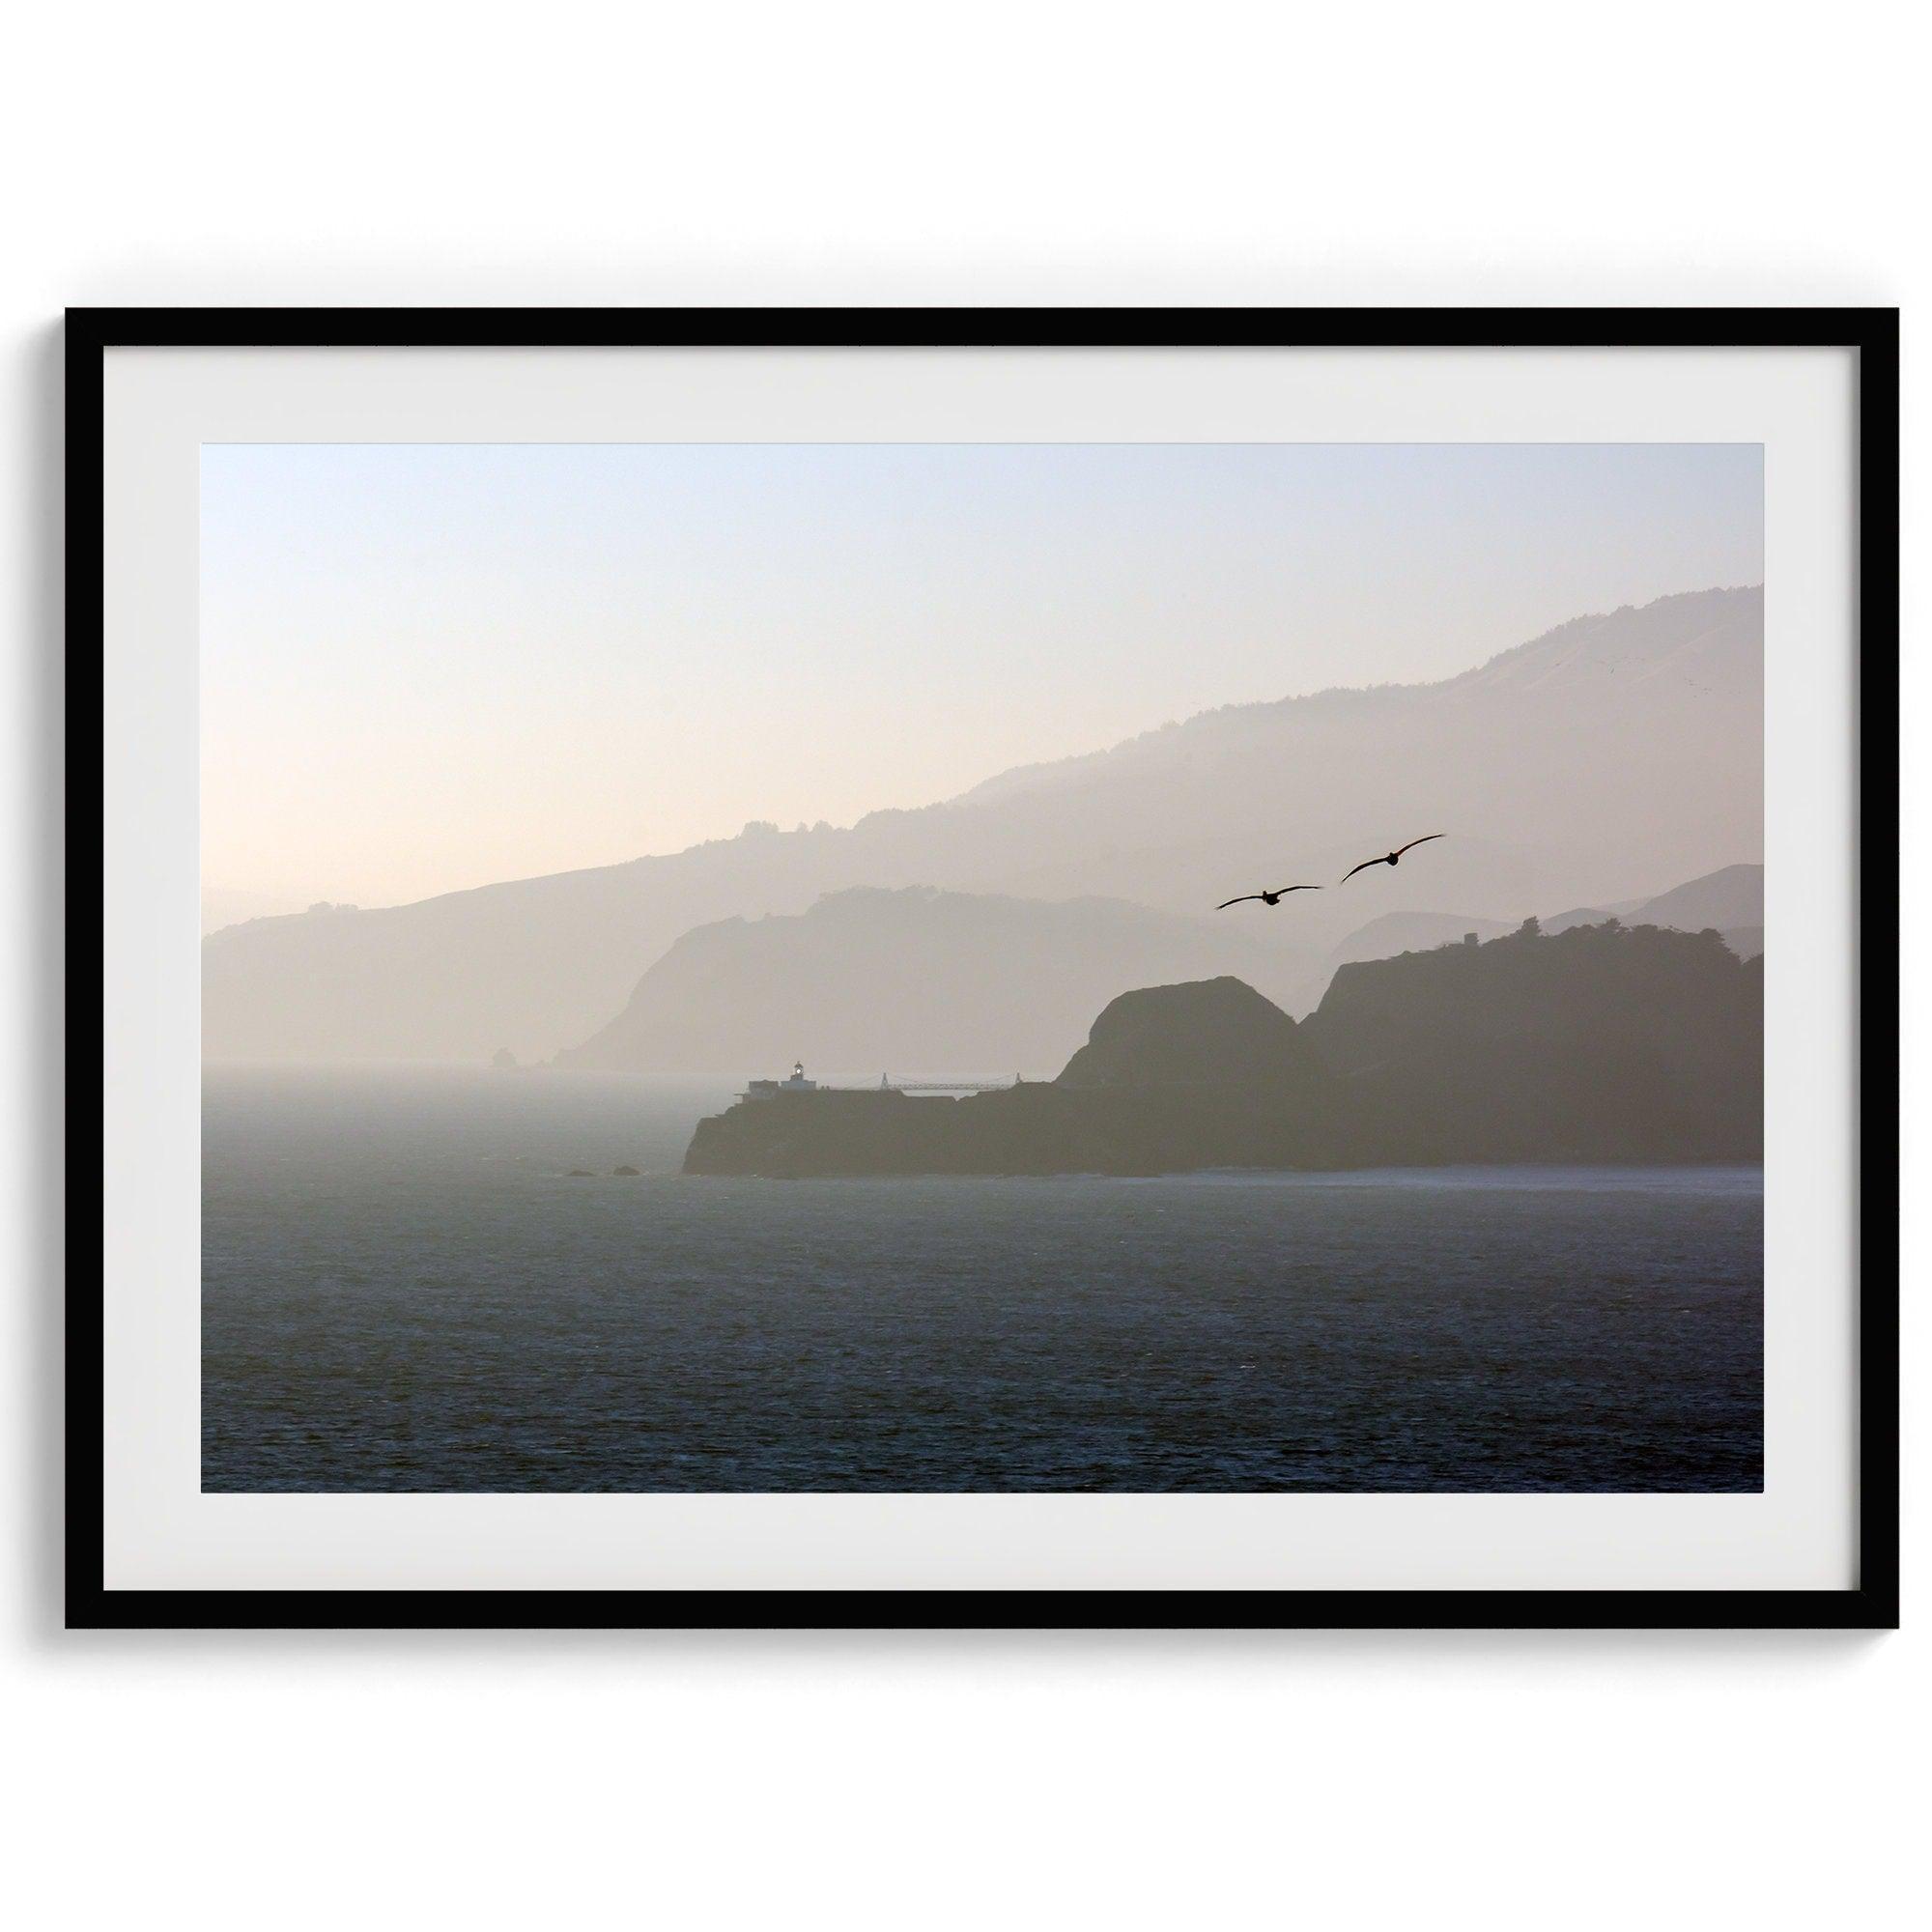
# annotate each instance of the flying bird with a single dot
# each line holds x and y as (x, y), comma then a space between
(1391, 858)
(1274, 897)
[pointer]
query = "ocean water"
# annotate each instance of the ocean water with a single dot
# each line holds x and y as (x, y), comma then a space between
(405, 1290)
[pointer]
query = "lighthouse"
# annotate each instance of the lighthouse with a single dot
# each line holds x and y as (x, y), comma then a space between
(765, 1090)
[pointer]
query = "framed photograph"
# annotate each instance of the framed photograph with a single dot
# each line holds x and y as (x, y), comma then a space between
(1022, 968)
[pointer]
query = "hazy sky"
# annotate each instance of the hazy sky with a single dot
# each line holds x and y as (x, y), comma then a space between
(426, 667)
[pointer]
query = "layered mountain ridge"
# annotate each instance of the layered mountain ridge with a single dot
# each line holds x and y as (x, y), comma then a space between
(915, 981)
(1577, 769)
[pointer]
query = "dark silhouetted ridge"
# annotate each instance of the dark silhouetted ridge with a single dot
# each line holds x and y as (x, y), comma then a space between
(1606, 1043)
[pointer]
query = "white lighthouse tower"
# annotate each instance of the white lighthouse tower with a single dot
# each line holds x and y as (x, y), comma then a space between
(765, 1090)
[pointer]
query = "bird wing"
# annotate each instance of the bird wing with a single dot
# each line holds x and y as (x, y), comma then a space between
(1362, 868)
(1226, 903)
(1423, 840)
(1299, 888)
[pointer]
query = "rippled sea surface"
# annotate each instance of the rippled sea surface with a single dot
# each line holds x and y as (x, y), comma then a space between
(403, 1287)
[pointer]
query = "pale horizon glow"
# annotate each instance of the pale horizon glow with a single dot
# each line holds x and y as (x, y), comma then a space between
(428, 667)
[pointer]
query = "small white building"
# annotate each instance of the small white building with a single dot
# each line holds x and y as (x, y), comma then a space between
(765, 1090)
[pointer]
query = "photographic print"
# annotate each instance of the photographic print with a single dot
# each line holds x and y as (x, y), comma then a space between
(982, 968)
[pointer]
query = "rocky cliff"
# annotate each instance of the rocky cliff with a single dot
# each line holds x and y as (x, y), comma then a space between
(1603, 1043)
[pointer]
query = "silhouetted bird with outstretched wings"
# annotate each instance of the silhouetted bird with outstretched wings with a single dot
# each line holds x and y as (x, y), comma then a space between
(1274, 897)
(1391, 858)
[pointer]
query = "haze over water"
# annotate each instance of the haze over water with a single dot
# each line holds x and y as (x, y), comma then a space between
(405, 1290)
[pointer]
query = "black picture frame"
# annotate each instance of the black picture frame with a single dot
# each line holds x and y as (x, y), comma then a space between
(1872, 333)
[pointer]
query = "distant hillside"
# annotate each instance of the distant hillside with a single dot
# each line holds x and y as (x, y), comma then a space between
(1733, 897)
(1577, 769)
(1731, 900)
(1603, 1044)
(908, 982)
(1413, 932)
